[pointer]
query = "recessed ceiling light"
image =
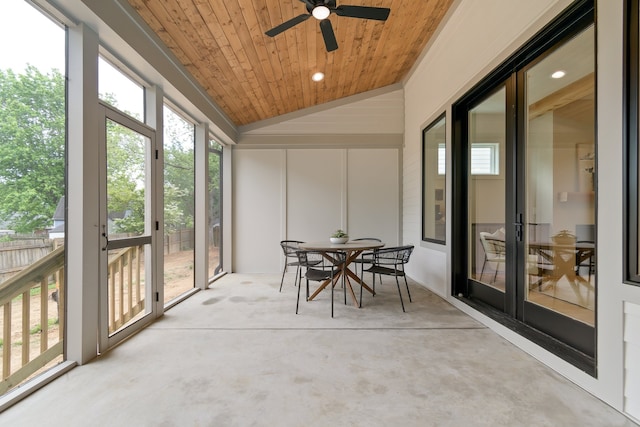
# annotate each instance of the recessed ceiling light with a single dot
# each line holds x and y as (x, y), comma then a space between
(321, 12)
(558, 74)
(317, 76)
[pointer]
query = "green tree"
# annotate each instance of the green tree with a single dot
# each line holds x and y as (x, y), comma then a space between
(32, 147)
(179, 175)
(126, 151)
(214, 186)
(32, 159)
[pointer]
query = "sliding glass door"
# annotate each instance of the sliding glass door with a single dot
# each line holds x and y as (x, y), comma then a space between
(559, 190)
(524, 192)
(486, 252)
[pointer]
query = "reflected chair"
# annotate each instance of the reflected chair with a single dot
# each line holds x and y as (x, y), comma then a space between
(586, 233)
(388, 262)
(289, 247)
(494, 251)
(320, 266)
(589, 263)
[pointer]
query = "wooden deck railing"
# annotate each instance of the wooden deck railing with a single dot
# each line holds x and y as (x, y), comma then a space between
(32, 336)
(125, 285)
(31, 324)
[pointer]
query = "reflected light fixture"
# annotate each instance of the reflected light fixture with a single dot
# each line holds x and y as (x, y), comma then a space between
(317, 77)
(321, 12)
(558, 74)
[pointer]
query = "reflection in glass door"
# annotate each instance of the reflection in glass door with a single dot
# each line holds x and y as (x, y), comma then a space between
(524, 147)
(560, 171)
(486, 198)
(127, 288)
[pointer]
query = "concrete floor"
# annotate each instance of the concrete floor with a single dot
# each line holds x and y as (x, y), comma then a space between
(237, 355)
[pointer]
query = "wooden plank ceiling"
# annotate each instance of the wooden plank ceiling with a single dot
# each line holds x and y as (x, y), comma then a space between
(253, 77)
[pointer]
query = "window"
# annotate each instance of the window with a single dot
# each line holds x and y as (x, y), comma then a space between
(119, 91)
(32, 193)
(434, 181)
(442, 159)
(179, 204)
(632, 160)
(485, 158)
(215, 207)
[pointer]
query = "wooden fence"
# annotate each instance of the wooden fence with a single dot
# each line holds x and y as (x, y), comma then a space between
(179, 241)
(15, 255)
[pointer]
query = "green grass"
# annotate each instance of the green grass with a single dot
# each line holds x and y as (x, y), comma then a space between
(36, 290)
(37, 329)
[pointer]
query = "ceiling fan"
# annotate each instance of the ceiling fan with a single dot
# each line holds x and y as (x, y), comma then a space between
(321, 9)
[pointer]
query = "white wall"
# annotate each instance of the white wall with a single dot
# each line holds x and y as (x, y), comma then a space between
(308, 173)
(258, 177)
(476, 37)
(376, 112)
(314, 202)
(631, 357)
(612, 293)
(307, 194)
(373, 196)
(466, 49)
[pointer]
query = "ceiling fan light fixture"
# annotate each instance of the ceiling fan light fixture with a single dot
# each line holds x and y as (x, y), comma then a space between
(321, 12)
(317, 77)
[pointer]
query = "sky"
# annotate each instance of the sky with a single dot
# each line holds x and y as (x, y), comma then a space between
(20, 44)
(45, 49)
(30, 37)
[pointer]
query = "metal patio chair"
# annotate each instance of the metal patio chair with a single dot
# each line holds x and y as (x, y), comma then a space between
(389, 262)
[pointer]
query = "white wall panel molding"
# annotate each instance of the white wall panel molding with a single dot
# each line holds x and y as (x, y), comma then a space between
(308, 193)
(257, 211)
(631, 359)
(321, 141)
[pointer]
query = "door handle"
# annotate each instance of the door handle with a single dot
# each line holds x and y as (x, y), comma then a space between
(106, 238)
(519, 226)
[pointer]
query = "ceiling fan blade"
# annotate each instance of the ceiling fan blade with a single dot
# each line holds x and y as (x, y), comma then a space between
(364, 12)
(328, 35)
(288, 24)
(309, 3)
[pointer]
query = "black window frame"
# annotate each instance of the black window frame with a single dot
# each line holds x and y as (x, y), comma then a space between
(430, 126)
(631, 145)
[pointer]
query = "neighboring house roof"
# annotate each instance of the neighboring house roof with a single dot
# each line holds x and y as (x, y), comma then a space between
(59, 213)
(57, 229)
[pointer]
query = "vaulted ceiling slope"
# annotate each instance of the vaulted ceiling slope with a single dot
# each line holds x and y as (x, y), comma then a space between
(253, 77)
